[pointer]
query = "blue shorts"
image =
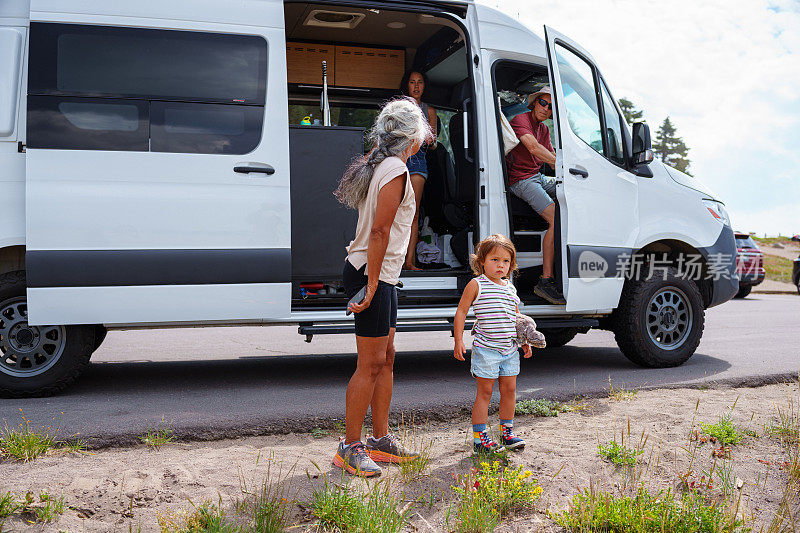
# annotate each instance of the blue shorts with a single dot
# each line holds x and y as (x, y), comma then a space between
(537, 190)
(417, 164)
(491, 364)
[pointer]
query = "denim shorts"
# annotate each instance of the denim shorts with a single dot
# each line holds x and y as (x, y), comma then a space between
(538, 190)
(417, 164)
(490, 364)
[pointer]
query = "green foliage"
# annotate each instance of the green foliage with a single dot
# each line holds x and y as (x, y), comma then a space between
(347, 511)
(207, 518)
(541, 407)
(630, 112)
(618, 454)
(25, 444)
(8, 505)
(158, 436)
(595, 511)
(724, 431)
(489, 492)
(671, 148)
(778, 268)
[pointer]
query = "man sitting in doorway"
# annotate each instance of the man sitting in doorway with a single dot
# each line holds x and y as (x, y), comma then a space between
(527, 181)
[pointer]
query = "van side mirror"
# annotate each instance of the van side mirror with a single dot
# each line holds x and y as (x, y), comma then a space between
(642, 146)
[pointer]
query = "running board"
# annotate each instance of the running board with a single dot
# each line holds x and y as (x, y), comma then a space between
(309, 329)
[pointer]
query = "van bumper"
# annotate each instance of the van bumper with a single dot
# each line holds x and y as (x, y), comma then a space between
(724, 281)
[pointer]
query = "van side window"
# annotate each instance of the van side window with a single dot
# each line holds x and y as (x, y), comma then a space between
(613, 127)
(577, 83)
(109, 88)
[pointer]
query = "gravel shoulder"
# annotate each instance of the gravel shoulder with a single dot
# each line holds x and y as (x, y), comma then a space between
(127, 488)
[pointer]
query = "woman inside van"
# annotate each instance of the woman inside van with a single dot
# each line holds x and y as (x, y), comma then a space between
(379, 186)
(413, 85)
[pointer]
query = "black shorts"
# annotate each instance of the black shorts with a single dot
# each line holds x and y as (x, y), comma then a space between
(375, 320)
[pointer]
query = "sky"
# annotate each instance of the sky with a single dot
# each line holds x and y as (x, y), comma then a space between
(727, 73)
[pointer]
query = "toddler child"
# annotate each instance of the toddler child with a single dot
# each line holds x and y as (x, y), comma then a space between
(494, 349)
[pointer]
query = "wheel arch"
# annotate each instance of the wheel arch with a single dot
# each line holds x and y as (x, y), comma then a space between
(12, 258)
(673, 248)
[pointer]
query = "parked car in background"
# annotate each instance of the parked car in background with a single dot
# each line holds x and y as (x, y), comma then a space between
(749, 264)
(796, 273)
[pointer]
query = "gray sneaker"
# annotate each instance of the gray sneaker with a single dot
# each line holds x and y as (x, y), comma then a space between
(355, 460)
(547, 289)
(388, 449)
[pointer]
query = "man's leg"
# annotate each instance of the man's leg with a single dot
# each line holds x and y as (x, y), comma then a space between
(548, 246)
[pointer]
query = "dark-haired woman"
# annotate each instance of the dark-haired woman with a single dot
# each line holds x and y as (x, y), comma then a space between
(413, 85)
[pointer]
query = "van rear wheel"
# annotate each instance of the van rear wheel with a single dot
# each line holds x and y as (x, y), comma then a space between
(37, 360)
(659, 321)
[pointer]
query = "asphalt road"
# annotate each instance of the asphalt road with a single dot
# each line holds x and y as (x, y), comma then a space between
(214, 382)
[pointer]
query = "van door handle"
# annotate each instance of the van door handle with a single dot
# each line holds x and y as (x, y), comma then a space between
(246, 168)
(579, 172)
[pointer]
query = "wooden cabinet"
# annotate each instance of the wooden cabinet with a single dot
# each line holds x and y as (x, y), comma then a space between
(348, 66)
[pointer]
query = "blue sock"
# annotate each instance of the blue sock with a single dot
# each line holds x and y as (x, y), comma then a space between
(477, 429)
(507, 422)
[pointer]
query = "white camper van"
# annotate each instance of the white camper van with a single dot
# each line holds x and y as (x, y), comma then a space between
(166, 164)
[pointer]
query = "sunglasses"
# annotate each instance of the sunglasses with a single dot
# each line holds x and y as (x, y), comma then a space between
(544, 103)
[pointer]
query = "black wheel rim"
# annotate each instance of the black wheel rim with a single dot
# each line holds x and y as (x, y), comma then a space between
(26, 350)
(669, 318)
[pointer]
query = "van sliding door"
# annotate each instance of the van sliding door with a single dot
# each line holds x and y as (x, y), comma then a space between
(156, 192)
(599, 198)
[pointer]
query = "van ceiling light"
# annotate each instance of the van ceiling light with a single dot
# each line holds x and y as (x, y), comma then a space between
(397, 25)
(333, 19)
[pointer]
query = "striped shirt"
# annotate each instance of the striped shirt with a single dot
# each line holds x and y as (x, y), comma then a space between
(496, 314)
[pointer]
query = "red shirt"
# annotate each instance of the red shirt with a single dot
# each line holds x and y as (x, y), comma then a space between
(526, 165)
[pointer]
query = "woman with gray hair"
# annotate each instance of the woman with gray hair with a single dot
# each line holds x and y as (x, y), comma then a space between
(379, 186)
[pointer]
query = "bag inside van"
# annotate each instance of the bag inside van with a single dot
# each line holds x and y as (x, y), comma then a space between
(366, 52)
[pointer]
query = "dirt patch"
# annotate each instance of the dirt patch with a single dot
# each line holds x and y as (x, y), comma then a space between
(118, 489)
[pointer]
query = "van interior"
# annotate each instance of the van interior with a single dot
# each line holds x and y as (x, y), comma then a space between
(366, 53)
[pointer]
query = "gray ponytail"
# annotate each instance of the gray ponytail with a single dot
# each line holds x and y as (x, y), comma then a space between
(399, 124)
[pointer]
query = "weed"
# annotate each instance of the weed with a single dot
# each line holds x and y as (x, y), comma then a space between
(723, 431)
(593, 510)
(207, 518)
(786, 425)
(319, 433)
(337, 507)
(8, 505)
(420, 466)
(267, 509)
(24, 444)
(620, 394)
(541, 407)
(488, 493)
(158, 436)
(618, 453)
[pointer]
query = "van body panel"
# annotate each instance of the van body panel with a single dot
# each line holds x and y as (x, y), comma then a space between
(12, 191)
(147, 202)
(160, 303)
(11, 41)
(498, 31)
(600, 208)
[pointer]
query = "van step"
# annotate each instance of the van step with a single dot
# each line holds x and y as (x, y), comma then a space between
(309, 329)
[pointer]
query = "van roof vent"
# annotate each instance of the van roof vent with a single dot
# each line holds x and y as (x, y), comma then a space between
(333, 19)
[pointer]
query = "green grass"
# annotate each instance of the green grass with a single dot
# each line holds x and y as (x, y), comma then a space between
(267, 509)
(541, 407)
(205, 518)
(155, 437)
(772, 240)
(724, 431)
(620, 394)
(25, 444)
(596, 511)
(618, 454)
(778, 268)
(8, 505)
(341, 509)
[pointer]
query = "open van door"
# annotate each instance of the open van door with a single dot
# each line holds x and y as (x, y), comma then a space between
(598, 197)
(157, 172)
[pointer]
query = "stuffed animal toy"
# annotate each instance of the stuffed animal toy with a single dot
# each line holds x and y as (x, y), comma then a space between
(527, 332)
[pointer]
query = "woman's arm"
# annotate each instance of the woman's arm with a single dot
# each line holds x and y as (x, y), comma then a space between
(389, 198)
(470, 293)
(433, 121)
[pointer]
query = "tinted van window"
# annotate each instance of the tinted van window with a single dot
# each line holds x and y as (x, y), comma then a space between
(101, 61)
(108, 88)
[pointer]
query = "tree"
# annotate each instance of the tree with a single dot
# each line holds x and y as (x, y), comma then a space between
(671, 148)
(629, 110)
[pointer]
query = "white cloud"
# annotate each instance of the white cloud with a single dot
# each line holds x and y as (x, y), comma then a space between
(727, 73)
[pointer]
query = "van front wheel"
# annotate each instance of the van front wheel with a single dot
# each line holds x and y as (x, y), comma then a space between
(659, 321)
(36, 360)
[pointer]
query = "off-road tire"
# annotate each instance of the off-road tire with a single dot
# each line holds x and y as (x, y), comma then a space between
(744, 291)
(558, 337)
(77, 349)
(630, 320)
